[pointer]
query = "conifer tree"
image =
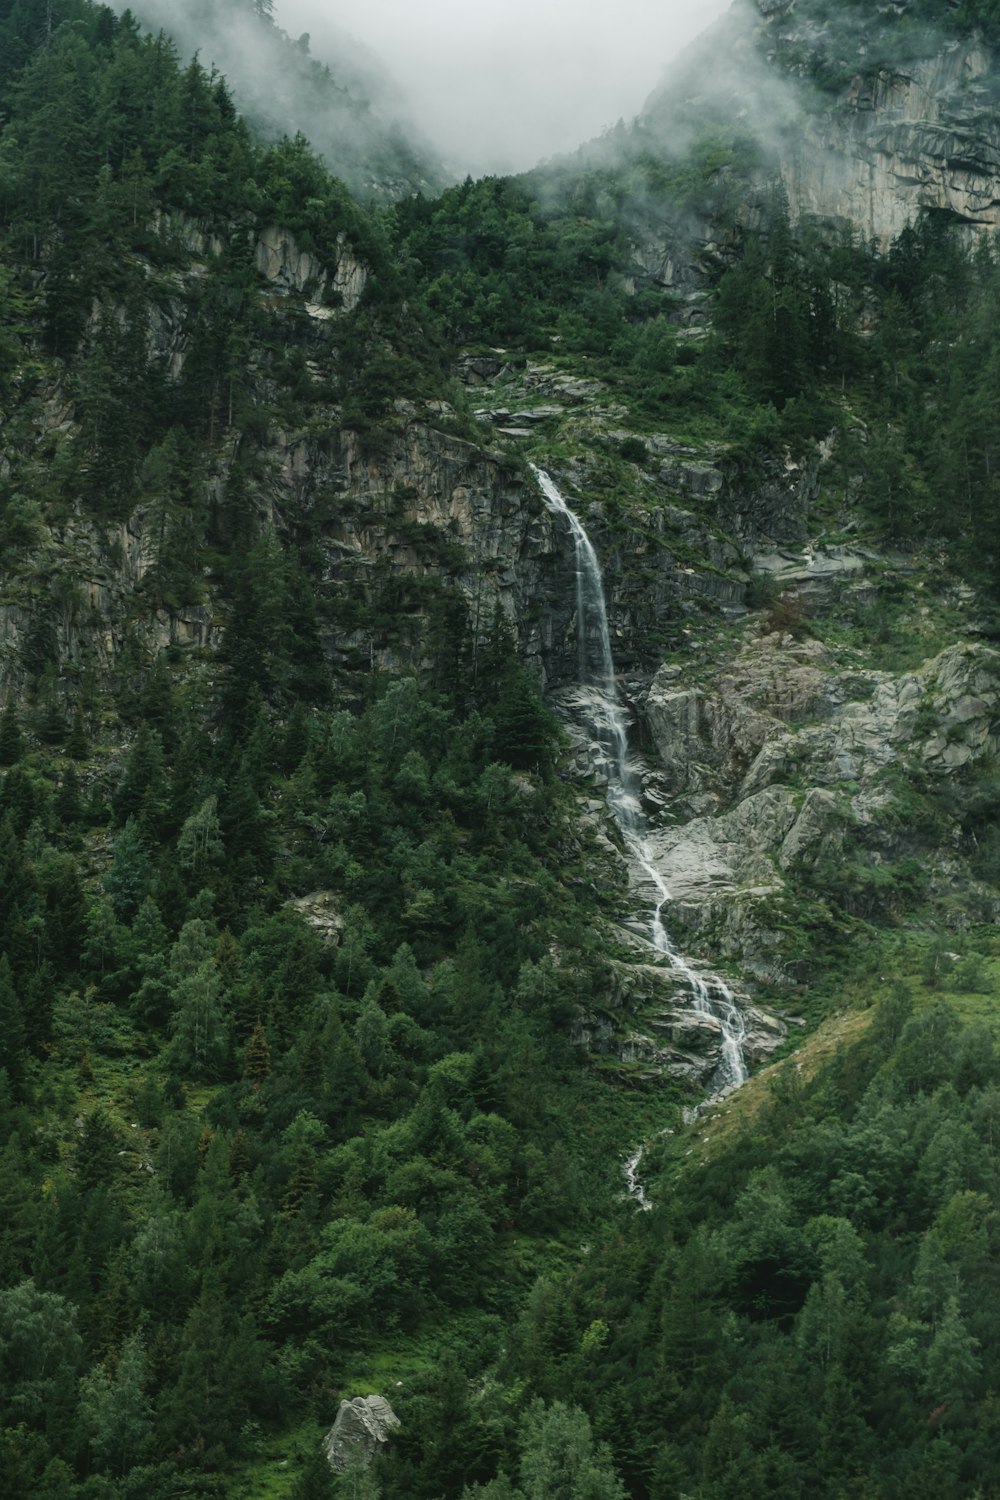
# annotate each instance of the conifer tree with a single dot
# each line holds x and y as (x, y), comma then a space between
(40, 1356)
(11, 738)
(316, 1481)
(201, 1044)
(199, 844)
(97, 1151)
(76, 741)
(116, 1412)
(68, 803)
(128, 880)
(257, 1057)
(953, 1364)
(143, 788)
(13, 1030)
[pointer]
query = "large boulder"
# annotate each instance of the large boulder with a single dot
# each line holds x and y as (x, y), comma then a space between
(361, 1430)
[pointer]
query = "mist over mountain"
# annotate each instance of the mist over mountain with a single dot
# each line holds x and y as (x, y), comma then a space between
(498, 88)
(870, 117)
(341, 97)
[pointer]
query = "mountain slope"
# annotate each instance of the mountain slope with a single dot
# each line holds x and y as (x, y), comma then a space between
(872, 118)
(347, 106)
(327, 1007)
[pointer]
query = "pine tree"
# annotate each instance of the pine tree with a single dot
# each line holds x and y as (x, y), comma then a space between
(13, 1031)
(115, 1411)
(371, 1033)
(77, 744)
(68, 804)
(97, 1151)
(143, 790)
(221, 1370)
(316, 1481)
(48, 713)
(199, 844)
(11, 738)
(40, 1356)
(128, 880)
(954, 1369)
(201, 1045)
(257, 1057)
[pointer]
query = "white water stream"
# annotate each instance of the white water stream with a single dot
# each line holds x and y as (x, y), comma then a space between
(605, 718)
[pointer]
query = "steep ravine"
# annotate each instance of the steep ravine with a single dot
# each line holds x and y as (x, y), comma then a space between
(792, 793)
(595, 707)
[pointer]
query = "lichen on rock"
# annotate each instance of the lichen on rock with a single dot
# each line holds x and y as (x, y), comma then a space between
(363, 1427)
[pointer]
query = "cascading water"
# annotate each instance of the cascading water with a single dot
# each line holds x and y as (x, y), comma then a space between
(602, 709)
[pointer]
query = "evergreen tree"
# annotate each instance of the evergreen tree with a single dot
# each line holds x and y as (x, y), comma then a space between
(116, 1412)
(40, 1356)
(316, 1480)
(199, 845)
(257, 1057)
(953, 1366)
(128, 880)
(76, 741)
(97, 1151)
(13, 1028)
(559, 1460)
(68, 804)
(220, 1379)
(201, 1044)
(11, 738)
(143, 792)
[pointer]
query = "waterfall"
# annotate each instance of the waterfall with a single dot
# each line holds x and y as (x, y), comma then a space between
(602, 708)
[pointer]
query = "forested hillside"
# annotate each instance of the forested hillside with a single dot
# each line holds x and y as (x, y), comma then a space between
(324, 1025)
(346, 103)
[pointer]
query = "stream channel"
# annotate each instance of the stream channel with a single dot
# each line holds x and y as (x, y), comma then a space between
(600, 710)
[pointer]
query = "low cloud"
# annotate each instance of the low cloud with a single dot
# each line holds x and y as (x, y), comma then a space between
(497, 87)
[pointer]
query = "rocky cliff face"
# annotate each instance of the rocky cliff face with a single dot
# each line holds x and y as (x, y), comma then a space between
(423, 526)
(776, 759)
(869, 116)
(453, 516)
(898, 139)
(791, 764)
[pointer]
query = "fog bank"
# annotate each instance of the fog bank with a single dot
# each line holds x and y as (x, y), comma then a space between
(498, 87)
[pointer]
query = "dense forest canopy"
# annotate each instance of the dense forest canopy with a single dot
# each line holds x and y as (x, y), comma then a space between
(292, 941)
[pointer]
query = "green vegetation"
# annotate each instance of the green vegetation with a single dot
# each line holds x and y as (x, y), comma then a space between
(817, 1308)
(812, 335)
(295, 909)
(863, 37)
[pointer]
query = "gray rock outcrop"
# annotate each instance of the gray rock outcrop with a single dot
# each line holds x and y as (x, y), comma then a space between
(707, 739)
(783, 764)
(338, 281)
(902, 140)
(321, 910)
(361, 1430)
(868, 124)
(665, 1035)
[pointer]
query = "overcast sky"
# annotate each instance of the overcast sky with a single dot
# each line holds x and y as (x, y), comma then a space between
(500, 84)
